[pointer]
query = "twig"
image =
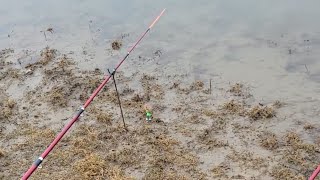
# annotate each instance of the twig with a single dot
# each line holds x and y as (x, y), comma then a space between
(210, 87)
(306, 69)
(90, 30)
(45, 36)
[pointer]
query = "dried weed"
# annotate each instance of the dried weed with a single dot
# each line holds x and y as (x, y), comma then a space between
(2, 153)
(209, 141)
(197, 85)
(220, 171)
(58, 97)
(237, 89)
(7, 108)
(278, 104)
(91, 167)
(269, 140)
(248, 160)
(126, 157)
(308, 126)
(219, 123)
(259, 112)
(104, 117)
(234, 107)
(292, 139)
(210, 113)
(116, 45)
(281, 173)
(47, 55)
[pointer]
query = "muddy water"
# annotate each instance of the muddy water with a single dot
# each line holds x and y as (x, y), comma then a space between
(271, 46)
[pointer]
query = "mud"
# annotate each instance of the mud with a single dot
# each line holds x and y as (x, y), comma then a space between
(188, 124)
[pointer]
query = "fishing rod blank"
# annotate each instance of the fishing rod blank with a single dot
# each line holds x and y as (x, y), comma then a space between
(75, 118)
(315, 173)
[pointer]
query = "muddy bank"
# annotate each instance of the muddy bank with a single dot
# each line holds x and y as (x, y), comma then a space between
(197, 132)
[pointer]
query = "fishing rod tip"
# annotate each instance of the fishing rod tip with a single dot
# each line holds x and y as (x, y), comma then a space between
(163, 10)
(157, 18)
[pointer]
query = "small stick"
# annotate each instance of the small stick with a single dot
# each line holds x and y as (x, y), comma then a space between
(210, 86)
(90, 30)
(306, 68)
(45, 36)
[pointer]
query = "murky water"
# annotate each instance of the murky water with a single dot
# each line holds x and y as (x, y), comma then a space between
(271, 45)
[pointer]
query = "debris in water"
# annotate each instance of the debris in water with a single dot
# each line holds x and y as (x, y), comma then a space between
(116, 45)
(259, 112)
(50, 29)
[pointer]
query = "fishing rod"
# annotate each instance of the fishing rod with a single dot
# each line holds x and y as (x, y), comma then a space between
(87, 103)
(315, 173)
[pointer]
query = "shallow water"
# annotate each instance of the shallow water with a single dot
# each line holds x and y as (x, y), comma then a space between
(273, 46)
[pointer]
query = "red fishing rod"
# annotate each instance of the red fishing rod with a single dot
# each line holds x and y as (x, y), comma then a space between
(75, 118)
(315, 173)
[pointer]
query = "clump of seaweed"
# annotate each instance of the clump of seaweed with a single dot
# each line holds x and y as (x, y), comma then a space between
(126, 91)
(294, 157)
(247, 159)
(90, 83)
(2, 153)
(151, 89)
(155, 173)
(10, 72)
(103, 117)
(58, 97)
(174, 85)
(210, 113)
(261, 112)
(35, 136)
(236, 89)
(280, 172)
(137, 98)
(64, 62)
(292, 138)
(4, 52)
(219, 123)
(162, 142)
(278, 104)
(197, 85)
(7, 108)
(195, 119)
(234, 108)
(91, 167)
(178, 158)
(308, 126)
(10, 103)
(124, 157)
(220, 171)
(209, 141)
(146, 77)
(14, 73)
(86, 140)
(269, 140)
(47, 55)
(116, 44)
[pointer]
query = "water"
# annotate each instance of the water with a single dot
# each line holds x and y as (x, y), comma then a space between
(271, 45)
